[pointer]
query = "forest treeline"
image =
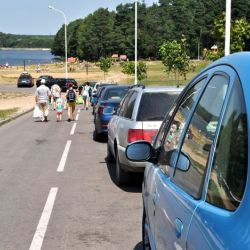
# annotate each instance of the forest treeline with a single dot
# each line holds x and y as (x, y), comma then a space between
(105, 32)
(25, 41)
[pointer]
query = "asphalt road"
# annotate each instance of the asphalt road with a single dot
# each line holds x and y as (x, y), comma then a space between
(14, 88)
(57, 192)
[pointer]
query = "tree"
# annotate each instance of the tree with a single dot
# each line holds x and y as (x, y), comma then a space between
(174, 57)
(58, 47)
(240, 32)
(105, 64)
(128, 68)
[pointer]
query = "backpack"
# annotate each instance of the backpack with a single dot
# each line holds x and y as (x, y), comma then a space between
(71, 97)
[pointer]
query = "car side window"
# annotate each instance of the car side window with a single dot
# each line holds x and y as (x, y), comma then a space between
(199, 137)
(160, 136)
(229, 170)
(124, 103)
(128, 111)
(176, 127)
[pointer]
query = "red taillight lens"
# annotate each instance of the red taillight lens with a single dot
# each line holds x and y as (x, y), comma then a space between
(100, 109)
(140, 134)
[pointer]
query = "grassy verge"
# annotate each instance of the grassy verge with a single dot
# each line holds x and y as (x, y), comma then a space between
(6, 113)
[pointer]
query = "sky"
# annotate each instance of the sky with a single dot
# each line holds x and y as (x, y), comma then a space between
(33, 17)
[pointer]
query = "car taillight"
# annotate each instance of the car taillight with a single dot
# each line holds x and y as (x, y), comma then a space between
(140, 134)
(100, 109)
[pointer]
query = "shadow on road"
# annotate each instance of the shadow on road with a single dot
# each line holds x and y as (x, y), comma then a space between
(138, 246)
(134, 186)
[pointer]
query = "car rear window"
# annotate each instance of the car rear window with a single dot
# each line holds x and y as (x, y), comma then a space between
(25, 77)
(154, 106)
(117, 93)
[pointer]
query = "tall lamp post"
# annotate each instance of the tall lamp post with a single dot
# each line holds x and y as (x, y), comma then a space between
(65, 38)
(135, 82)
(227, 29)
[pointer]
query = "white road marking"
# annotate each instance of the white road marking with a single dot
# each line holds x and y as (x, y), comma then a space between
(73, 129)
(77, 116)
(64, 157)
(78, 111)
(37, 241)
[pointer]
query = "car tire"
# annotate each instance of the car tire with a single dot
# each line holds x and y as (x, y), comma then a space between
(121, 177)
(96, 136)
(110, 158)
(145, 238)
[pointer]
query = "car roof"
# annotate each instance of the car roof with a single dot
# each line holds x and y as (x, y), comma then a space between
(116, 87)
(25, 75)
(44, 76)
(159, 89)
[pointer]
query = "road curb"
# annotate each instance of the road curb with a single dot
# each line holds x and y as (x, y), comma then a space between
(15, 117)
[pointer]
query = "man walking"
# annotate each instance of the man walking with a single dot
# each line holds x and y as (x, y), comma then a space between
(42, 100)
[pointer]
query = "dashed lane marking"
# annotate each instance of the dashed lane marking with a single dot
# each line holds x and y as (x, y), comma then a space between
(38, 238)
(73, 129)
(64, 157)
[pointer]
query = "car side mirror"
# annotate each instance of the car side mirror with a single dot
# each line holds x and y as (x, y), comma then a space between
(183, 163)
(139, 151)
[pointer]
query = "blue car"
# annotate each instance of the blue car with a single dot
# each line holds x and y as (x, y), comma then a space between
(97, 93)
(106, 106)
(196, 189)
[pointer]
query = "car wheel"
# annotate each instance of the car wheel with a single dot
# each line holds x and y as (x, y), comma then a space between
(110, 158)
(121, 177)
(145, 238)
(96, 136)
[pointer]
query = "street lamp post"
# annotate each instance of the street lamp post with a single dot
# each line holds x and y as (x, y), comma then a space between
(65, 38)
(135, 82)
(228, 26)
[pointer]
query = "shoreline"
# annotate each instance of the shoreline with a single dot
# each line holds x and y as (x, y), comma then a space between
(25, 49)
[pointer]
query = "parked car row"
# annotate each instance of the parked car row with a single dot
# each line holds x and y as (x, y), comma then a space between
(196, 181)
(61, 82)
(196, 176)
(26, 80)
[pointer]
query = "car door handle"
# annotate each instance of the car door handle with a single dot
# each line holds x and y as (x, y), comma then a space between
(178, 227)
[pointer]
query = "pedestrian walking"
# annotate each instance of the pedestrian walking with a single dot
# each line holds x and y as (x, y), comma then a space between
(85, 95)
(59, 108)
(56, 93)
(71, 102)
(42, 95)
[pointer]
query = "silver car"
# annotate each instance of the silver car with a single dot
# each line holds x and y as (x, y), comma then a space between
(138, 118)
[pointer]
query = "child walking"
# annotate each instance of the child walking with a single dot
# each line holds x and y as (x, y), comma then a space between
(59, 108)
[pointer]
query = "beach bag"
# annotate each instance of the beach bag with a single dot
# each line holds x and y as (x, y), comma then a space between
(71, 97)
(79, 100)
(36, 112)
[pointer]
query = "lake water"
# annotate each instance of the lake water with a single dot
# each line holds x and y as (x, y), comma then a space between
(29, 57)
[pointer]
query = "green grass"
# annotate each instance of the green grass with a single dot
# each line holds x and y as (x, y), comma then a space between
(6, 113)
(157, 74)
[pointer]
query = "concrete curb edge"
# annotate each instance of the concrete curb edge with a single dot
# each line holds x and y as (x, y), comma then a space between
(15, 117)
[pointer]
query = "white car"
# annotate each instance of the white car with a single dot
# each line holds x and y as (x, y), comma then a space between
(139, 117)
